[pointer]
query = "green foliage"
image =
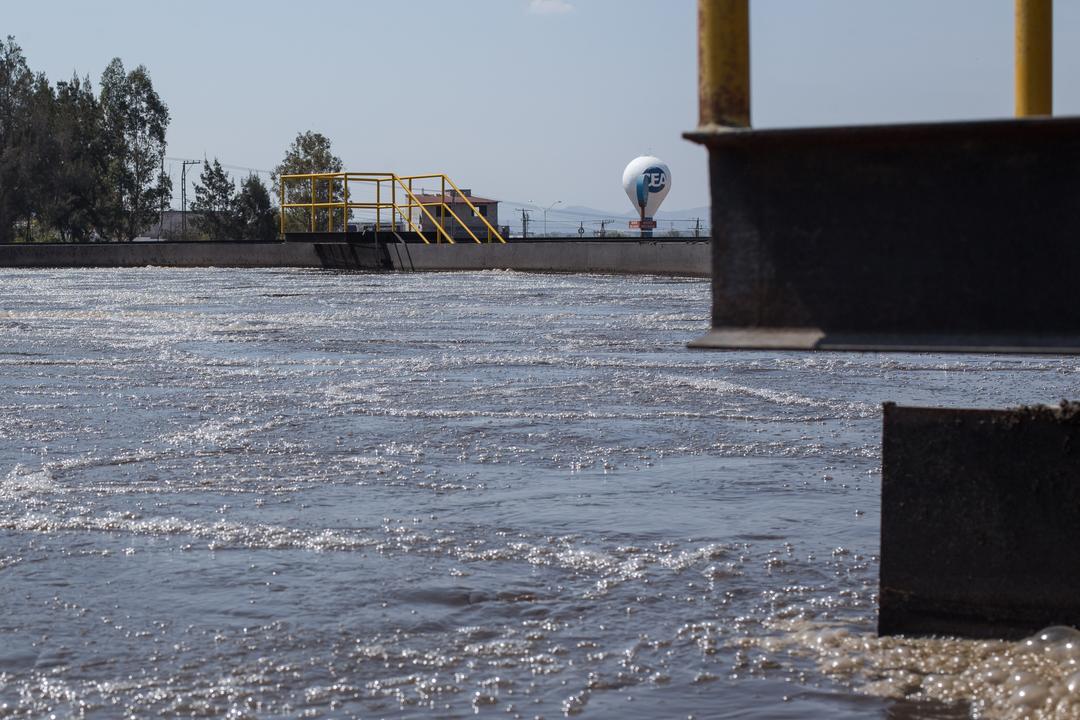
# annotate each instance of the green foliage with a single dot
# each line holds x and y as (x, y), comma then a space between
(214, 198)
(16, 100)
(309, 153)
(134, 124)
(71, 201)
(255, 214)
(226, 213)
(74, 166)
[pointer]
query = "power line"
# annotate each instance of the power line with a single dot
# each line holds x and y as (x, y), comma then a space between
(224, 165)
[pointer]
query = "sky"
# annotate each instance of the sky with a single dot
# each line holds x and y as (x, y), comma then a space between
(529, 101)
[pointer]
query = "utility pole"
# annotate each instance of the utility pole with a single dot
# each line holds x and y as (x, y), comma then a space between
(161, 214)
(183, 197)
(524, 224)
(557, 202)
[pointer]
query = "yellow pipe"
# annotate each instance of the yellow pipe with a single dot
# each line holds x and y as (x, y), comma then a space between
(346, 207)
(724, 62)
(412, 226)
(455, 216)
(281, 216)
(1034, 57)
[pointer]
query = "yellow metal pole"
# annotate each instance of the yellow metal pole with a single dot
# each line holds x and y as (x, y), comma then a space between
(312, 203)
(378, 205)
(281, 191)
(724, 62)
(345, 210)
(1034, 57)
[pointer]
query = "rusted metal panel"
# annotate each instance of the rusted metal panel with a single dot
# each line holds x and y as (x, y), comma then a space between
(980, 521)
(944, 236)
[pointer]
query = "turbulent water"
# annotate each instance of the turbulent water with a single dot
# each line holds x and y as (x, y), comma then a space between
(303, 494)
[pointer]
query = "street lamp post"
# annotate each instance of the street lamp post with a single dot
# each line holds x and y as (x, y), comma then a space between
(545, 215)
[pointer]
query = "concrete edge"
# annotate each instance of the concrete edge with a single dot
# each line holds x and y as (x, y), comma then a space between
(817, 339)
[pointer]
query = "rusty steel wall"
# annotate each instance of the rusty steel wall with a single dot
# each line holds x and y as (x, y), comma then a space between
(980, 521)
(961, 235)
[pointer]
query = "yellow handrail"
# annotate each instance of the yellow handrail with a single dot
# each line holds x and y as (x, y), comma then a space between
(491, 229)
(315, 207)
(440, 230)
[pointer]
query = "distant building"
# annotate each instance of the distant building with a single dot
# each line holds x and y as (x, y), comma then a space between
(170, 224)
(488, 209)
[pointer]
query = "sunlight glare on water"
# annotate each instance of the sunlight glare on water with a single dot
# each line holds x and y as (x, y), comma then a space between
(292, 493)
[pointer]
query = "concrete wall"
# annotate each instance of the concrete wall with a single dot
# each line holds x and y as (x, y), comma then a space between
(980, 518)
(631, 256)
(161, 254)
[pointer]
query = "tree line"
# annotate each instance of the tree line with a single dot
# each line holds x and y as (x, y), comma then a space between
(80, 166)
(76, 165)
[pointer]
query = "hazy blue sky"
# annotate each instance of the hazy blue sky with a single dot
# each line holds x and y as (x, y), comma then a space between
(539, 100)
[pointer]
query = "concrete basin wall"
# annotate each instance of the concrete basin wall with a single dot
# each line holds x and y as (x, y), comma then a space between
(631, 256)
(692, 258)
(160, 254)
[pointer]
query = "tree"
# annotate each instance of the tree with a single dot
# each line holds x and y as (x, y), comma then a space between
(134, 124)
(75, 177)
(16, 93)
(309, 153)
(215, 199)
(254, 213)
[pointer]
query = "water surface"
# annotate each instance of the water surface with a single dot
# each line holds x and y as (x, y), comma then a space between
(292, 493)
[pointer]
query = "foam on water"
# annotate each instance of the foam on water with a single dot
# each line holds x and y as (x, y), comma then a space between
(21, 481)
(1036, 678)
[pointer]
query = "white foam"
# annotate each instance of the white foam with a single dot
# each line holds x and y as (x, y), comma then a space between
(1038, 678)
(22, 481)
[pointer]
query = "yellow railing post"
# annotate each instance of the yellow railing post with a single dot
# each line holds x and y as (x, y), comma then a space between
(1034, 57)
(281, 206)
(724, 63)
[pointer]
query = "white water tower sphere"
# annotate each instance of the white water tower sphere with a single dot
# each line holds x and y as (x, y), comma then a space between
(647, 181)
